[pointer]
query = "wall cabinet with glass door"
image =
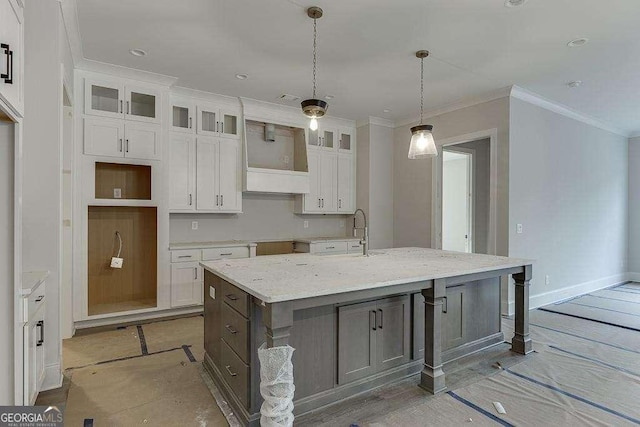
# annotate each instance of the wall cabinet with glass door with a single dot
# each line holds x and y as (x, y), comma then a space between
(11, 53)
(205, 118)
(122, 101)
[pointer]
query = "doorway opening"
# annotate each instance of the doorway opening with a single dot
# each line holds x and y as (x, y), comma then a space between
(464, 194)
(457, 200)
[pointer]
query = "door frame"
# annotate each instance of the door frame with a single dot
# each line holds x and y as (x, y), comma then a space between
(471, 185)
(436, 189)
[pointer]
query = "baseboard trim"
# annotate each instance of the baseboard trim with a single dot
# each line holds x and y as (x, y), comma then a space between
(52, 377)
(133, 318)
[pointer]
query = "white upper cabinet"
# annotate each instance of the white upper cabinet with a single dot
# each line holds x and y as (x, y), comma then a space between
(346, 140)
(215, 121)
(325, 138)
(115, 138)
(116, 100)
(207, 170)
(329, 182)
(11, 54)
(346, 183)
(182, 172)
(182, 115)
(230, 178)
(312, 202)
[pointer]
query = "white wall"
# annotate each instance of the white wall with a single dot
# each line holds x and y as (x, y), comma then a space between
(42, 165)
(568, 188)
(6, 262)
(634, 207)
(265, 216)
(412, 178)
(374, 182)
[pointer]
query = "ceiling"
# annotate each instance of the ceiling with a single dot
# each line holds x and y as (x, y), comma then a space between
(366, 50)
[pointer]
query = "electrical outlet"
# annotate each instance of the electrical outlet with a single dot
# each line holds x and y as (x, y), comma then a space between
(342, 223)
(306, 224)
(286, 160)
(547, 280)
(194, 225)
(519, 228)
(117, 193)
(212, 292)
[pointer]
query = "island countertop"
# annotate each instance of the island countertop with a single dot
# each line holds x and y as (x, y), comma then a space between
(290, 277)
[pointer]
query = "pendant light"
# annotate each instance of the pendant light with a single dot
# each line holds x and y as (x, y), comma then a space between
(314, 108)
(422, 144)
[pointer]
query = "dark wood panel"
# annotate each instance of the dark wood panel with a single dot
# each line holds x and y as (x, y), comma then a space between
(393, 329)
(236, 298)
(356, 341)
(212, 315)
(135, 284)
(236, 373)
(235, 332)
(274, 248)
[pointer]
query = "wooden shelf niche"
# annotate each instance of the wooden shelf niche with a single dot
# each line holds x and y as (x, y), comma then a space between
(134, 286)
(131, 181)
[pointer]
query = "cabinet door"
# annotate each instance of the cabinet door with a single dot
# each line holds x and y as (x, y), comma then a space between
(104, 137)
(454, 317)
(142, 141)
(230, 186)
(30, 339)
(182, 116)
(212, 316)
(207, 152)
(11, 59)
(312, 202)
(345, 183)
(104, 98)
(208, 121)
(329, 182)
(329, 138)
(182, 172)
(394, 332)
(356, 341)
(346, 140)
(230, 123)
(314, 138)
(142, 104)
(40, 349)
(186, 278)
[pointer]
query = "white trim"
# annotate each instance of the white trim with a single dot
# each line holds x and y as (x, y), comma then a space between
(127, 318)
(535, 99)
(457, 105)
(436, 217)
(378, 121)
(633, 277)
(52, 377)
(635, 135)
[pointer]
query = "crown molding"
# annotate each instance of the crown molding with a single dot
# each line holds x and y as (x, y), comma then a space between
(125, 72)
(457, 105)
(540, 101)
(635, 135)
(378, 121)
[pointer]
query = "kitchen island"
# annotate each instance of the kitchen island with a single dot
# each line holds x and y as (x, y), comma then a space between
(355, 322)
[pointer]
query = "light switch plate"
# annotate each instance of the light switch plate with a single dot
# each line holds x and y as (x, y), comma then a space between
(519, 228)
(194, 225)
(212, 292)
(306, 224)
(117, 193)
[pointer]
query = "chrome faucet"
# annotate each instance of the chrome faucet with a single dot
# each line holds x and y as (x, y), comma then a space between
(365, 232)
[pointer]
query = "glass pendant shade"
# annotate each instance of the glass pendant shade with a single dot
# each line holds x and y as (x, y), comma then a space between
(422, 144)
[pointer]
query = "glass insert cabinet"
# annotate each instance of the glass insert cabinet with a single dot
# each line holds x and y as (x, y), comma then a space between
(120, 101)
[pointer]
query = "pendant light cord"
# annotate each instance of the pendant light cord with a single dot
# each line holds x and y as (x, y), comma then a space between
(315, 32)
(421, 90)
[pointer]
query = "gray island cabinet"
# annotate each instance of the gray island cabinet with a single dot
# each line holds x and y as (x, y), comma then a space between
(355, 322)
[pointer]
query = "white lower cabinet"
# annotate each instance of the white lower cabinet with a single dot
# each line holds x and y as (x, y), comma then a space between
(205, 174)
(115, 138)
(187, 280)
(33, 345)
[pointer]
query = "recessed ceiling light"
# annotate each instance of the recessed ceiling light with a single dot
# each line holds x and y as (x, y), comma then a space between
(578, 42)
(575, 83)
(329, 97)
(386, 110)
(137, 52)
(241, 76)
(514, 3)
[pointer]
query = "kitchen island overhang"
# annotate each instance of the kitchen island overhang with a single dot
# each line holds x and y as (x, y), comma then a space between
(343, 292)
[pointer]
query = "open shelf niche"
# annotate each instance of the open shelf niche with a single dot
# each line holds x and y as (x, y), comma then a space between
(276, 158)
(126, 181)
(134, 286)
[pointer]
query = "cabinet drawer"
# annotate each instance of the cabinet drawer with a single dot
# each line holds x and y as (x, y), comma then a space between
(185, 256)
(236, 298)
(354, 247)
(34, 302)
(220, 253)
(235, 332)
(236, 373)
(330, 247)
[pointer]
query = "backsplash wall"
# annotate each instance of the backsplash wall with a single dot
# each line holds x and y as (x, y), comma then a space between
(264, 216)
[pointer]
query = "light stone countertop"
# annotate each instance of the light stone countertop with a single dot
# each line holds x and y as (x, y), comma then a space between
(31, 280)
(280, 278)
(236, 243)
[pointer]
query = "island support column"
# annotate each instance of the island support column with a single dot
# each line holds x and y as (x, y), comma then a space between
(278, 319)
(521, 342)
(432, 376)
